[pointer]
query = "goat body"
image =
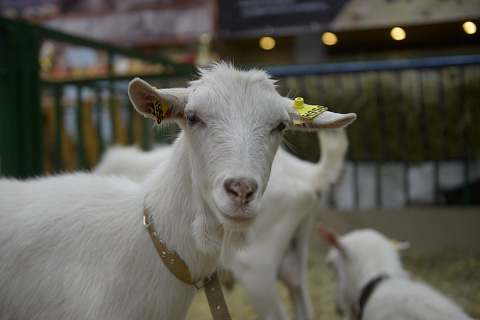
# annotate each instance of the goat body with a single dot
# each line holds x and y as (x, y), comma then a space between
(361, 256)
(282, 232)
(74, 247)
(131, 161)
(279, 247)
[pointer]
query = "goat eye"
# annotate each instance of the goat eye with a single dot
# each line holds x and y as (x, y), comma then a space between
(281, 127)
(192, 119)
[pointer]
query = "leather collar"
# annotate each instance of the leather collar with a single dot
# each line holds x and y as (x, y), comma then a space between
(213, 288)
(366, 293)
(170, 258)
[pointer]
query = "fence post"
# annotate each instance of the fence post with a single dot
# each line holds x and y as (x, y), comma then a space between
(20, 113)
(58, 164)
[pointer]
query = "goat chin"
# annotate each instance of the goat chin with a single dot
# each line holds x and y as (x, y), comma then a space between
(239, 220)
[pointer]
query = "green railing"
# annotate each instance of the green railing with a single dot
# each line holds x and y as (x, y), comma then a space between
(25, 148)
(413, 114)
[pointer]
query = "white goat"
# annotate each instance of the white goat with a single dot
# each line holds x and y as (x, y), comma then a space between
(281, 243)
(131, 161)
(372, 284)
(282, 232)
(74, 246)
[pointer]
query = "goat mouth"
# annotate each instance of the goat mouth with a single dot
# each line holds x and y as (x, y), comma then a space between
(240, 219)
(233, 216)
(237, 223)
(237, 220)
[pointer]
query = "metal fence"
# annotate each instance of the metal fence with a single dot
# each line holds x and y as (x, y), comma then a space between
(54, 124)
(417, 138)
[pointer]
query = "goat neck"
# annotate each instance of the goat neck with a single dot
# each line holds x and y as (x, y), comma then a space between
(363, 267)
(181, 216)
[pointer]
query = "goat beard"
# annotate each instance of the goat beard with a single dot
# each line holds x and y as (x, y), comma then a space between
(234, 241)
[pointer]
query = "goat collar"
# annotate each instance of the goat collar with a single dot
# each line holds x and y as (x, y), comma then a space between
(171, 259)
(366, 293)
(213, 288)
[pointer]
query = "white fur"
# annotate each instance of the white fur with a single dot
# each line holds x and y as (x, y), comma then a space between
(362, 255)
(119, 161)
(74, 247)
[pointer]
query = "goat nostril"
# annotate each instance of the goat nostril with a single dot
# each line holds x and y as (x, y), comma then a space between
(251, 190)
(241, 190)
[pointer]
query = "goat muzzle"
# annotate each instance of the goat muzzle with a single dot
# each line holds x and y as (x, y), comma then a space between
(240, 190)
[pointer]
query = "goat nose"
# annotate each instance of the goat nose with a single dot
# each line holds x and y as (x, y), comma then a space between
(240, 190)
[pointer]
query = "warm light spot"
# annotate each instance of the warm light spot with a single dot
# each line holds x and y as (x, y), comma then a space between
(329, 38)
(469, 27)
(398, 33)
(267, 43)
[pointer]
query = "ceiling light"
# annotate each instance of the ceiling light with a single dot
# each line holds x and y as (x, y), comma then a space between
(469, 27)
(398, 34)
(267, 43)
(329, 38)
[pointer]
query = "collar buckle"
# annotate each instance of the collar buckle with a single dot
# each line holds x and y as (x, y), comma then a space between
(202, 283)
(145, 224)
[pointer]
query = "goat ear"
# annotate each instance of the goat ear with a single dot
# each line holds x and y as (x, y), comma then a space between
(331, 237)
(400, 246)
(325, 120)
(162, 104)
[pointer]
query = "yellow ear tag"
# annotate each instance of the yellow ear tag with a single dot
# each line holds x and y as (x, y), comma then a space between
(395, 243)
(160, 108)
(307, 111)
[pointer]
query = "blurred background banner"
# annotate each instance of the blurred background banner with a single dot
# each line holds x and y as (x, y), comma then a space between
(255, 18)
(368, 14)
(264, 32)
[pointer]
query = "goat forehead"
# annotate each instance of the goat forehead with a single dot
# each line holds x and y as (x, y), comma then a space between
(365, 238)
(369, 245)
(223, 74)
(251, 102)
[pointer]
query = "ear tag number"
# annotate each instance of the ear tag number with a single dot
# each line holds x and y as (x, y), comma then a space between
(307, 111)
(160, 108)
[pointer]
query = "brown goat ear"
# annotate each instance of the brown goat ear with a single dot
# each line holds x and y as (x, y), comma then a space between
(331, 237)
